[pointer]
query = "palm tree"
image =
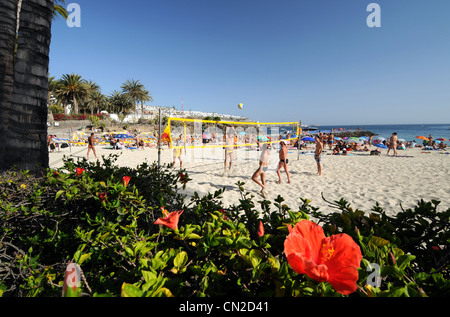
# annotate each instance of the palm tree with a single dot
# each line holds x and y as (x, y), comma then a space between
(58, 9)
(73, 87)
(95, 101)
(24, 82)
(120, 102)
(91, 88)
(137, 93)
(8, 14)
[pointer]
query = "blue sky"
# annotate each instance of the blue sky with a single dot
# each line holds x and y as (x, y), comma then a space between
(287, 60)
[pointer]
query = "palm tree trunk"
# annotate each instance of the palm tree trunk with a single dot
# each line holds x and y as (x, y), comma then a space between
(26, 140)
(8, 15)
(75, 105)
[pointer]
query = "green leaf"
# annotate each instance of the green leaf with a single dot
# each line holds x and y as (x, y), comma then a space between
(180, 260)
(404, 260)
(59, 193)
(129, 290)
(84, 257)
(378, 242)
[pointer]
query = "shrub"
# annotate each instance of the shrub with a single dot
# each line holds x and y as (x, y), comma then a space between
(102, 217)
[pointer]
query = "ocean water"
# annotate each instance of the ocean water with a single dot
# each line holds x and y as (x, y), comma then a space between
(408, 132)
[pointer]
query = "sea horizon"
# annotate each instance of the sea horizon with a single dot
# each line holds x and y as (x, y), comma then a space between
(408, 132)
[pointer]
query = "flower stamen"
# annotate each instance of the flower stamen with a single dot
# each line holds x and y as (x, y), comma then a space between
(326, 251)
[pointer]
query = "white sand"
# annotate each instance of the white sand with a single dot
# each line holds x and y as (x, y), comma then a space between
(359, 178)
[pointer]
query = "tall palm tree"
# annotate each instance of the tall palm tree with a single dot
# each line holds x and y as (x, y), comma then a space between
(8, 13)
(95, 101)
(120, 102)
(73, 86)
(24, 82)
(137, 93)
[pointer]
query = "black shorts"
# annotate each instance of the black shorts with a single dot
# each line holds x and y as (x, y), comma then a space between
(287, 161)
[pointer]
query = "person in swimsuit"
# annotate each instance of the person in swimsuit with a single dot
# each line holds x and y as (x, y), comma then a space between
(283, 162)
(393, 144)
(262, 169)
(91, 145)
(177, 152)
(229, 148)
(318, 154)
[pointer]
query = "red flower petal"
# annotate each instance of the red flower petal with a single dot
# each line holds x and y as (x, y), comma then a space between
(260, 229)
(126, 180)
(334, 259)
(171, 220)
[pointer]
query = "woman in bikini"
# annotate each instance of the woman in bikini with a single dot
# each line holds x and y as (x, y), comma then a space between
(283, 162)
(262, 169)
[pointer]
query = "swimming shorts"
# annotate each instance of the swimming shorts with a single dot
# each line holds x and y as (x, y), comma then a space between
(318, 158)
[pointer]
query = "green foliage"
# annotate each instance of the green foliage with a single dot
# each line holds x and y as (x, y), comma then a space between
(85, 213)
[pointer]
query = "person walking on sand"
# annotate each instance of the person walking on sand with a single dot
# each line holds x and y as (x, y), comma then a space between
(229, 148)
(91, 145)
(318, 154)
(393, 144)
(177, 152)
(283, 162)
(262, 169)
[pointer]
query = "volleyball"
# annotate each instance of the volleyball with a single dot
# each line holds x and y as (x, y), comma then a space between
(241, 106)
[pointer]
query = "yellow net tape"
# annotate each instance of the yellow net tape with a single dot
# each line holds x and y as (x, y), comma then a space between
(296, 128)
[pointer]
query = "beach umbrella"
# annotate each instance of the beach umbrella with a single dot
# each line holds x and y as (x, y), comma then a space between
(442, 139)
(307, 138)
(262, 138)
(381, 146)
(422, 137)
(379, 138)
(351, 140)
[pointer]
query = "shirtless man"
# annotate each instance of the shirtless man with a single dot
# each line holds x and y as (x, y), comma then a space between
(283, 162)
(318, 154)
(393, 143)
(262, 169)
(330, 141)
(91, 145)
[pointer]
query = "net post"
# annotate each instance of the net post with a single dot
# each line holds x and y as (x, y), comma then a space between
(159, 139)
(299, 130)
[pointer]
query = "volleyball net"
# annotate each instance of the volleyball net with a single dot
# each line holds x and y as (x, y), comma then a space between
(197, 133)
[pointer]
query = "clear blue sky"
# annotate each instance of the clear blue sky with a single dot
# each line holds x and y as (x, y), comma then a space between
(286, 60)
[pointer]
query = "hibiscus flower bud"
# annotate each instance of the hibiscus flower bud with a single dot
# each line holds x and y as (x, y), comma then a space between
(260, 229)
(126, 180)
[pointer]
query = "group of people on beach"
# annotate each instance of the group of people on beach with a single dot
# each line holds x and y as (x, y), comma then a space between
(283, 163)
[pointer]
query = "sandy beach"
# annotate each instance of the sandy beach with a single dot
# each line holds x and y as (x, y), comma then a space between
(360, 178)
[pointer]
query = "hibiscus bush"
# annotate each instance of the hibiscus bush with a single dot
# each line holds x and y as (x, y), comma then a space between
(131, 233)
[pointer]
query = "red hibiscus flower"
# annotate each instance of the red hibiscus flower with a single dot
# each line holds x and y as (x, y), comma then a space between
(183, 178)
(126, 180)
(102, 196)
(171, 220)
(79, 171)
(334, 259)
(224, 214)
(260, 229)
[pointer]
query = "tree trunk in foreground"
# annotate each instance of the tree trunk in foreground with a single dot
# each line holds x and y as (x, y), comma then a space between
(26, 135)
(8, 16)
